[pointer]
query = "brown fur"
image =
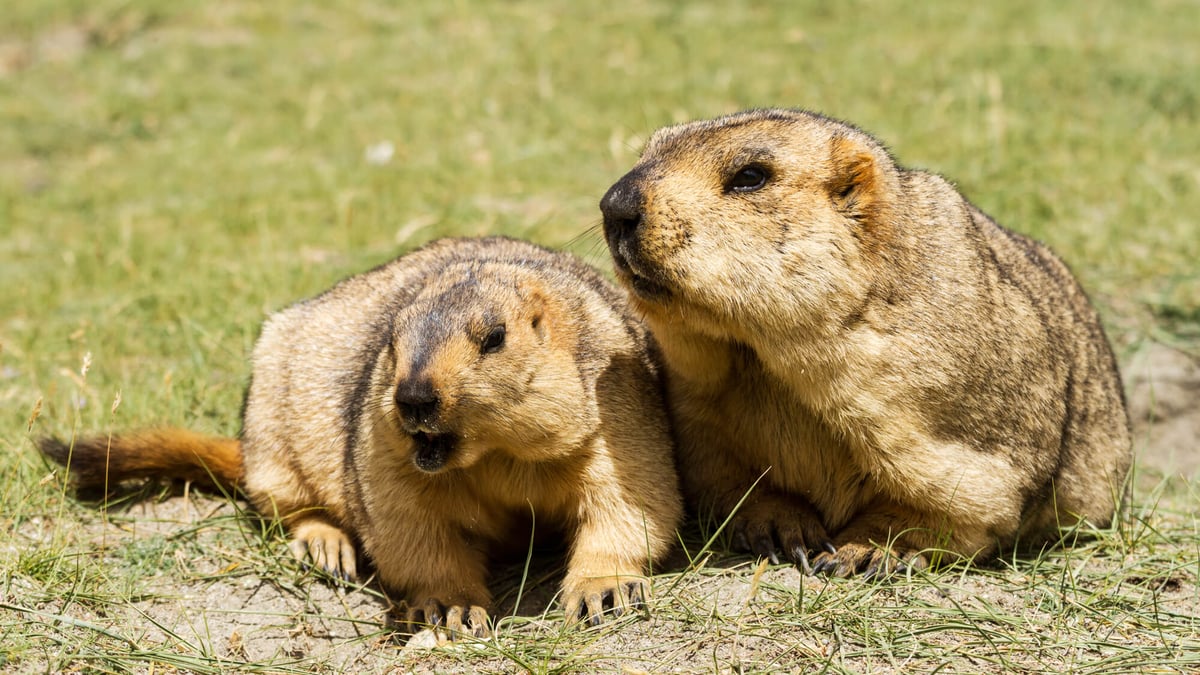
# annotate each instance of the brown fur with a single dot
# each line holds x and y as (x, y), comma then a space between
(429, 410)
(902, 372)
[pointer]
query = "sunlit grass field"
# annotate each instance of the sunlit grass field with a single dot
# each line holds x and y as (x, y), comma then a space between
(173, 171)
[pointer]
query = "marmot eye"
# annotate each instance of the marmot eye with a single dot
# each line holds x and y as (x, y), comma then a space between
(748, 179)
(494, 340)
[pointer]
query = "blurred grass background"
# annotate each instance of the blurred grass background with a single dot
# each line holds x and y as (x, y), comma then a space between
(173, 170)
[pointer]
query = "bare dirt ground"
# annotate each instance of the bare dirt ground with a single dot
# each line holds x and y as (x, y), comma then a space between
(1164, 403)
(209, 595)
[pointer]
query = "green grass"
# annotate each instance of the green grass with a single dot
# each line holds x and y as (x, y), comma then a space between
(172, 171)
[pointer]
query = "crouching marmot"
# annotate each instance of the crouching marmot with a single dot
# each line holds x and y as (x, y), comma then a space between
(904, 374)
(429, 410)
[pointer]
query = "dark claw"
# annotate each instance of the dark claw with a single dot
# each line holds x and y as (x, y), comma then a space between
(829, 547)
(637, 596)
(595, 609)
(433, 616)
(801, 558)
(872, 573)
(764, 547)
(835, 568)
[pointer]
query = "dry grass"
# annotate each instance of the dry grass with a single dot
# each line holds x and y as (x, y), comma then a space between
(186, 581)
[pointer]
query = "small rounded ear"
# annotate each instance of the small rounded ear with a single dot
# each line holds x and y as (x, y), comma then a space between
(539, 326)
(535, 309)
(854, 181)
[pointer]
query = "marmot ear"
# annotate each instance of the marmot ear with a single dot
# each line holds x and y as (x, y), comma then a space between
(854, 181)
(535, 309)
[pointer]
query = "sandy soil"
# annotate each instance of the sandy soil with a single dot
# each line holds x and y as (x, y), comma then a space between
(1163, 385)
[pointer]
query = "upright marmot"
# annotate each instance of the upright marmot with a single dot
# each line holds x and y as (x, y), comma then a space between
(429, 410)
(901, 372)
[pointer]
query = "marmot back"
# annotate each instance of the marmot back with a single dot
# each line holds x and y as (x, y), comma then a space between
(422, 410)
(908, 374)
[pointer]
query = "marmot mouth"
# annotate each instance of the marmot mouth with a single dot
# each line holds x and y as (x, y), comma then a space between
(647, 288)
(432, 451)
(639, 283)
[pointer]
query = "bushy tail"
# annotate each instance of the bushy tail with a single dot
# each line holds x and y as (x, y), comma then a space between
(100, 461)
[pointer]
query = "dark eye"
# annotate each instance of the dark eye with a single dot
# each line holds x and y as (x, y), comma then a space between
(748, 179)
(494, 340)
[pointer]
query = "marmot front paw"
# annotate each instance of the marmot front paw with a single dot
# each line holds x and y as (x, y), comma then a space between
(591, 599)
(773, 522)
(459, 620)
(872, 562)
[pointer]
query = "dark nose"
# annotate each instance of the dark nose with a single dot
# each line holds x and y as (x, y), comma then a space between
(417, 400)
(622, 207)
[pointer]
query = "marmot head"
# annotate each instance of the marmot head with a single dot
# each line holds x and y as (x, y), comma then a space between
(482, 363)
(723, 221)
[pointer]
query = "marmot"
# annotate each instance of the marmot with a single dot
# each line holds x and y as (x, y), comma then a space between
(429, 410)
(903, 374)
